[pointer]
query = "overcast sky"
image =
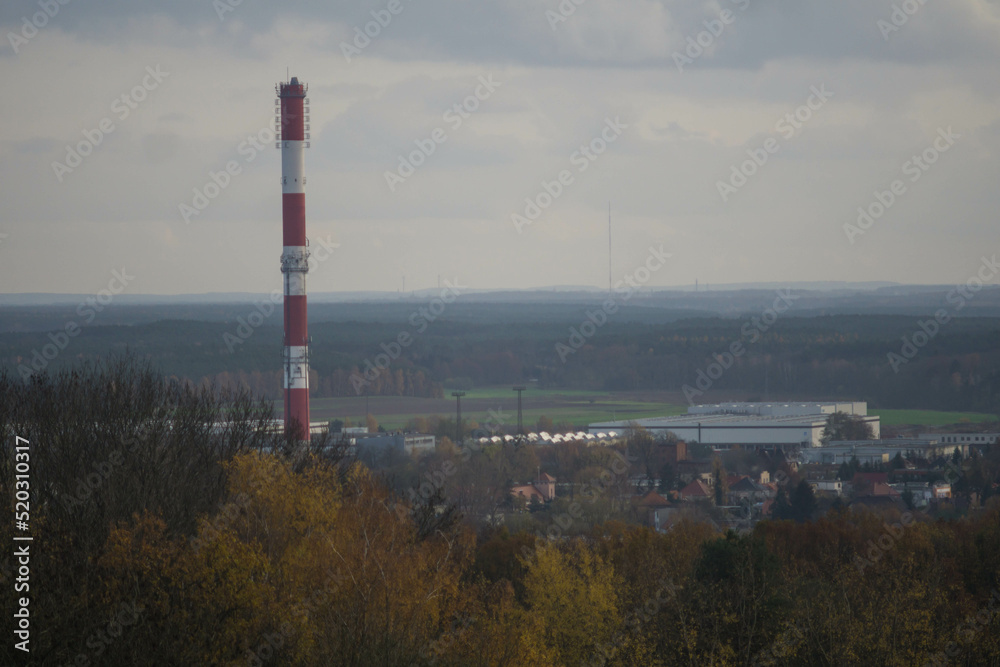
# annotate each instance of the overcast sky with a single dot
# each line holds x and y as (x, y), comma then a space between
(685, 115)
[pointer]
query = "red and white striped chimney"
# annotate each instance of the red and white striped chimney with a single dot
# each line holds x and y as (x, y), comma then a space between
(292, 134)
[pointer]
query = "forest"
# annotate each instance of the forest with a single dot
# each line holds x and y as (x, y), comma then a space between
(816, 356)
(172, 526)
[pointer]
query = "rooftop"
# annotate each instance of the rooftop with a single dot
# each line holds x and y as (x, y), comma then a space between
(778, 409)
(719, 421)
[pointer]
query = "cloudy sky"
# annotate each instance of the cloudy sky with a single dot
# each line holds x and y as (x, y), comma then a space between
(694, 91)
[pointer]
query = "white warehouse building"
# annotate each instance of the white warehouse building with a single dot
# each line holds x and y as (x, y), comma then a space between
(750, 424)
(859, 408)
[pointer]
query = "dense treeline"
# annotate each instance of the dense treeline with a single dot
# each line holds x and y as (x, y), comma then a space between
(339, 382)
(956, 369)
(171, 528)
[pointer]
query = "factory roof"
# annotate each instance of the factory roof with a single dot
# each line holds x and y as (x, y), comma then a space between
(718, 421)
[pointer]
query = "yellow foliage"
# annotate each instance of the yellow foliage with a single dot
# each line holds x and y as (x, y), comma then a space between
(573, 595)
(217, 597)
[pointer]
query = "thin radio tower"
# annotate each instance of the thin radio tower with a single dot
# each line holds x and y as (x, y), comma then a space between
(609, 247)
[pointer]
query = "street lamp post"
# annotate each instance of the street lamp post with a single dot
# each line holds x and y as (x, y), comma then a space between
(458, 425)
(520, 421)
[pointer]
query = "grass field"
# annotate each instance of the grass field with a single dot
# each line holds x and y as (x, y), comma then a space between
(578, 408)
(505, 393)
(929, 417)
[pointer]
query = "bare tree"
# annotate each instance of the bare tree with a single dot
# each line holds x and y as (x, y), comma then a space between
(109, 441)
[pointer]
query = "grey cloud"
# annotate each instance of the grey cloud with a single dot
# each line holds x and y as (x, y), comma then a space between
(644, 33)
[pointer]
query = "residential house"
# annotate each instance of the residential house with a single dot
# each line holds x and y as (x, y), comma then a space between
(941, 490)
(544, 489)
(696, 491)
(749, 490)
(864, 483)
(653, 510)
(828, 487)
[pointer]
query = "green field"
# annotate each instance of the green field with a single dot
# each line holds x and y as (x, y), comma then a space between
(576, 408)
(505, 393)
(929, 417)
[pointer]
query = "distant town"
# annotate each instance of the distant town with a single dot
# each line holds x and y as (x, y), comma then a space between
(730, 465)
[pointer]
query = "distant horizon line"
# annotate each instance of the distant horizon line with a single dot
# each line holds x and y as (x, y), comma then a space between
(817, 285)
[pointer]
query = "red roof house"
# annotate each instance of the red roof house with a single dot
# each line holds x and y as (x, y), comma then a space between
(696, 490)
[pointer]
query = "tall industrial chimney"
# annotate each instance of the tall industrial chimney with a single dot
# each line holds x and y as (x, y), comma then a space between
(292, 109)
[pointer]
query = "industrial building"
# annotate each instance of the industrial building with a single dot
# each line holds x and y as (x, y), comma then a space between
(882, 451)
(411, 443)
(759, 425)
(963, 438)
(859, 408)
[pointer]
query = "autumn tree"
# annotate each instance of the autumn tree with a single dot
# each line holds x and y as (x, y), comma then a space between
(642, 446)
(573, 594)
(721, 482)
(110, 441)
(803, 501)
(737, 594)
(842, 426)
(495, 630)
(799, 505)
(668, 478)
(218, 596)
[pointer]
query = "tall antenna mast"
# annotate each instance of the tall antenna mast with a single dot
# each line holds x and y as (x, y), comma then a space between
(609, 247)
